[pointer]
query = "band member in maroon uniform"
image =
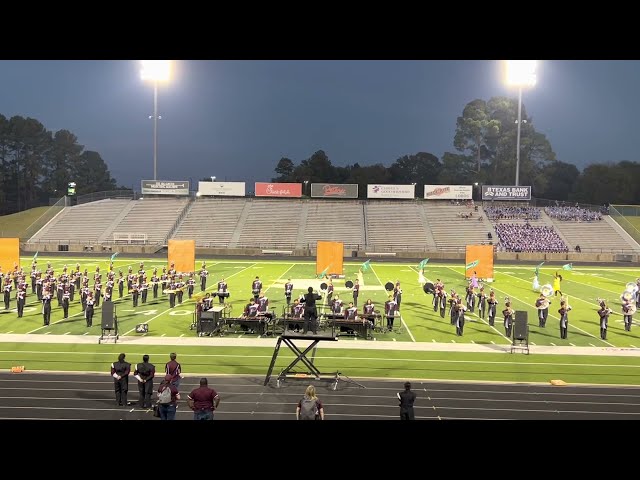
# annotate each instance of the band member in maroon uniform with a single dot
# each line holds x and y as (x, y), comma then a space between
(482, 303)
(46, 305)
(7, 291)
(263, 303)
(21, 297)
(288, 290)
(155, 280)
(390, 310)
(203, 277)
(256, 287)
(492, 302)
(356, 292)
(508, 319)
(397, 295)
(330, 292)
(65, 300)
(604, 313)
(191, 284)
(222, 291)
(564, 319)
(368, 312)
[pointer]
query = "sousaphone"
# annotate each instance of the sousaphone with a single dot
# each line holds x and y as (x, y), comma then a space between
(631, 287)
(626, 296)
(546, 290)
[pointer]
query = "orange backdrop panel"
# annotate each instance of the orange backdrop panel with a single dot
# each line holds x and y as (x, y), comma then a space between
(484, 255)
(329, 255)
(9, 253)
(183, 254)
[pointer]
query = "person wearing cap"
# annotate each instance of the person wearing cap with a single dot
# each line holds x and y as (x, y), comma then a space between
(168, 410)
(407, 398)
(203, 401)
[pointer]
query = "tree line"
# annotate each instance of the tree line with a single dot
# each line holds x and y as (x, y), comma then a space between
(485, 144)
(37, 164)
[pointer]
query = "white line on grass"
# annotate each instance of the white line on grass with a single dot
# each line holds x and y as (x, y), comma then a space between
(401, 319)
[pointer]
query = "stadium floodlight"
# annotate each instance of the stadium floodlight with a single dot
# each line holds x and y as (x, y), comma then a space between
(520, 73)
(155, 71)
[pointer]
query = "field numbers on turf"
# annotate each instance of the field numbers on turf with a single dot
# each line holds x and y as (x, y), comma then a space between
(180, 312)
(142, 312)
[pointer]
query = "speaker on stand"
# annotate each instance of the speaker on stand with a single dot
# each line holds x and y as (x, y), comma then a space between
(520, 338)
(109, 322)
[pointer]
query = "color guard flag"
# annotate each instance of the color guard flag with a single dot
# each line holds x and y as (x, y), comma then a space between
(423, 263)
(473, 264)
(324, 272)
(365, 266)
(35, 257)
(568, 266)
(114, 256)
(538, 269)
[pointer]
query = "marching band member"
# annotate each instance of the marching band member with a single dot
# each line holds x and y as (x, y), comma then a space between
(604, 313)
(59, 290)
(72, 287)
(508, 319)
(368, 312)
(473, 281)
(628, 310)
(34, 275)
(336, 306)
(135, 294)
(288, 290)
(564, 318)
(470, 298)
(351, 312)
(164, 279)
(459, 314)
(330, 292)
(7, 291)
(39, 286)
(222, 290)
(88, 313)
(97, 277)
(536, 284)
(130, 278)
(191, 285)
(397, 294)
(155, 280)
(482, 303)
(141, 271)
(356, 292)
(203, 277)
(65, 299)
(21, 297)
(172, 270)
(638, 293)
(144, 289)
(84, 292)
(390, 310)
(180, 289)
(46, 306)
(251, 309)
(263, 303)
(120, 284)
(97, 290)
(256, 287)
(542, 304)
(453, 301)
(172, 293)
(297, 312)
(77, 277)
(556, 284)
(207, 301)
(492, 302)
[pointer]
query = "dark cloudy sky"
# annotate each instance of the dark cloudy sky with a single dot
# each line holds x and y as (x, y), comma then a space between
(236, 119)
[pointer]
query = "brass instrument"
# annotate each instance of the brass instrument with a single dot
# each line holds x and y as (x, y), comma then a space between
(631, 287)
(546, 290)
(544, 304)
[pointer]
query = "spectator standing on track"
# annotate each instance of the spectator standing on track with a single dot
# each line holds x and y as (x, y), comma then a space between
(120, 372)
(174, 369)
(144, 373)
(168, 402)
(407, 398)
(310, 407)
(203, 401)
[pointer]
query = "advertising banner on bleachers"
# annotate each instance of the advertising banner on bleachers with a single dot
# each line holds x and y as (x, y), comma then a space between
(501, 192)
(391, 191)
(288, 190)
(165, 187)
(334, 190)
(221, 189)
(448, 192)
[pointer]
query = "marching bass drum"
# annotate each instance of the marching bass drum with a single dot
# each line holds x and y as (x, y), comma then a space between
(388, 286)
(348, 284)
(429, 288)
(323, 286)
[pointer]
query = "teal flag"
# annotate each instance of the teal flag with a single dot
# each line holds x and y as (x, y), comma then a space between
(423, 263)
(365, 266)
(568, 266)
(114, 256)
(538, 269)
(324, 272)
(473, 264)
(35, 257)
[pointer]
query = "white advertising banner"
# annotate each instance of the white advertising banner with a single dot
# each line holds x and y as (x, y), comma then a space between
(391, 191)
(222, 189)
(448, 192)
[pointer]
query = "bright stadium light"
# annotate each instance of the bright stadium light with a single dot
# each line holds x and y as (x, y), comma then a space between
(155, 71)
(520, 73)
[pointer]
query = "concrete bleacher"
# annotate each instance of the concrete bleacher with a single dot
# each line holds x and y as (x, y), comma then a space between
(596, 236)
(452, 233)
(334, 220)
(397, 226)
(270, 222)
(211, 222)
(154, 217)
(84, 223)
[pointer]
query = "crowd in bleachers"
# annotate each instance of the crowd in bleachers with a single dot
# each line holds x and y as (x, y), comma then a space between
(528, 238)
(573, 214)
(510, 213)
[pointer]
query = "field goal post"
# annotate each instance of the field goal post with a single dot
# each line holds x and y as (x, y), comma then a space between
(329, 258)
(479, 259)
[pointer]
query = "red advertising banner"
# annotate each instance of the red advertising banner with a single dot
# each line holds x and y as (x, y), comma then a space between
(290, 190)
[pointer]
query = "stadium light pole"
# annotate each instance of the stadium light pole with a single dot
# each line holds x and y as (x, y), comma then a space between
(155, 71)
(520, 73)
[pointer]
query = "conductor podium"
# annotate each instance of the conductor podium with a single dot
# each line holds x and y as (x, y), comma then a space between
(520, 340)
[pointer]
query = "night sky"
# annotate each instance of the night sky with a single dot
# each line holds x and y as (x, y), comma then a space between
(236, 119)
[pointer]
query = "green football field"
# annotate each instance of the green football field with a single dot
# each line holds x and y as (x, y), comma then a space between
(583, 285)
(421, 324)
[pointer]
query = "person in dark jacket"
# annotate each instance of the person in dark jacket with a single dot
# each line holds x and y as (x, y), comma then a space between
(144, 373)
(310, 311)
(407, 398)
(120, 372)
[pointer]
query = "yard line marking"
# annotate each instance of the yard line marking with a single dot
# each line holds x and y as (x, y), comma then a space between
(163, 335)
(573, 345)
(493, 342)
(592, 344)
(453, 341)
(182, 335)
(66, 333)
(472, 341)
(393, 339)
(47, 333)
(85, 333)
(401, 319)
(188, 301)
(535, 344)
(633, 346)
(553, 344)
(10, 331)
(433, 340)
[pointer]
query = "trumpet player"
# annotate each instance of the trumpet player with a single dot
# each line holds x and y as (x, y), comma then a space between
(542, 304)
(470, 298)
(459, 315)
(482, 303)
(604, 313)
(564, 318)
(508, 319)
